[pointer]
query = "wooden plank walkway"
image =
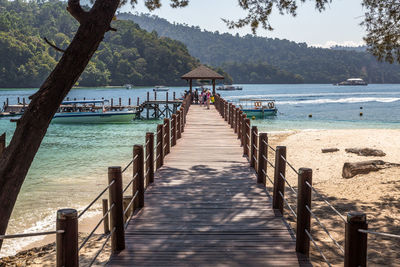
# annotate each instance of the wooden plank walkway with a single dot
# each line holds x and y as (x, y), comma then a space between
(205, 208)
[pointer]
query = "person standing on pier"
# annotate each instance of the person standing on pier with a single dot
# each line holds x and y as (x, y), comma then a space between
(196, 96)
(208, 95)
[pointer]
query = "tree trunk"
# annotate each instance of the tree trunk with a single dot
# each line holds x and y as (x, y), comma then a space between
(352, 169)
(31, 128)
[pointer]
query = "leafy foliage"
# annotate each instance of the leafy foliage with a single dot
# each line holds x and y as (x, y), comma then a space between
(314, 65)
(130, 55)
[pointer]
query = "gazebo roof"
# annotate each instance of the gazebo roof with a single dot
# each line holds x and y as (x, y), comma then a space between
(202, 72)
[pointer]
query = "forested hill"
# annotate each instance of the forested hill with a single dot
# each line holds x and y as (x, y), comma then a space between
(314, 65)
(130, 55)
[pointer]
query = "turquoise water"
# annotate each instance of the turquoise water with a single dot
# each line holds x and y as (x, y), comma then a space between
(70, 167)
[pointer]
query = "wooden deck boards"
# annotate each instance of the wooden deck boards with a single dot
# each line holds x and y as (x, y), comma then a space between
(205, 208)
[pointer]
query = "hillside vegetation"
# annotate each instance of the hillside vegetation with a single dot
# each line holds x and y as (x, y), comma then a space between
(310, 64)
(130, 55)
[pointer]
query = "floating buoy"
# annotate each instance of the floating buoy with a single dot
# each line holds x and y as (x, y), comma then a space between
(361, 107)
(310, 115)
(361, 113)
(253, 118)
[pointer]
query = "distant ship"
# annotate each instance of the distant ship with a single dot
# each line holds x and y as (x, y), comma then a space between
(353, 81)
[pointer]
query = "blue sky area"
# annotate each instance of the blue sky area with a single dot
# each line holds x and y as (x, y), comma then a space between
(339, 24)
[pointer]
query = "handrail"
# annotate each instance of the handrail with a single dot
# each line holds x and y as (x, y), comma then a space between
(326, 201)
(102, 247)
(91, 203)
(317, 247)
(287, 182)
(378, 233)
(95, 228)
(2, 237)
(130, 202)
(287, 203)
(290, 165)
(132, 180)
(326, 230)
(273, 149)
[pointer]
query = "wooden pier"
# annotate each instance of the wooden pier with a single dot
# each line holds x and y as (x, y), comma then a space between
(205, 207)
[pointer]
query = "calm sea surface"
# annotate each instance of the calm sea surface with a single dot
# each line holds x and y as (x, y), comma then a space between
(71, 165)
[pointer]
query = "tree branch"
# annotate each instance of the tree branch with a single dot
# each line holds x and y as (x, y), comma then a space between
(53, 45)
(75, 9)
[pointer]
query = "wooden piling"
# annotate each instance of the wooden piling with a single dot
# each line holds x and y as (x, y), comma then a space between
(106, 221)
(2, 143)
(129, 101)
(138, 101)
(279, 183)
(246, 138)
(262, 164)
(167, 139)
(355, 249)
(139, 170)
(303, 215)
(19, 102)
(147, 107)
(112, 102)
(174, 95)
(178, 125)
(253, 150)
(155, 95)
(160, 144)
(173, 130)
(67, 242)
(120, 102)
(150, 157)
(125, 202)
(117, 212)
(23, 102)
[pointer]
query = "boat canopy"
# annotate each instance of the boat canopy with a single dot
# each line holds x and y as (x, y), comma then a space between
(83, 102)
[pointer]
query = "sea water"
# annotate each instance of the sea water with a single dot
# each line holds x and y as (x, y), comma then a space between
(70, 168)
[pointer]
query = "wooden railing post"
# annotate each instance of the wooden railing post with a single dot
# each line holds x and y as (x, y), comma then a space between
(236, 116)
(243, 129)
(178, 125)
(226, 111)
(106, 221)
(222, 108)
(239, 126)
(231, 121)
(139, 169)
(2, 143)
(150, 157)
(246, 137)
(303, 215)
(67, 242)
(355, 249)
(160, 145)
(279, 183)
(182, 120)
(262, 164)
(173, 130)
(117, 212)
(253, 153)
(167, 141)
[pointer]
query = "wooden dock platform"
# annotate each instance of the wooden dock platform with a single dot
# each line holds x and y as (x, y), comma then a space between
(205, 207)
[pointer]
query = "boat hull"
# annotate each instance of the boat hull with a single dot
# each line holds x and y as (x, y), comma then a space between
(260, 113)
(93, 118)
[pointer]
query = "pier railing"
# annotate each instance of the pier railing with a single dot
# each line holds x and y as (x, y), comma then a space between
(123, 202)
(298, 199)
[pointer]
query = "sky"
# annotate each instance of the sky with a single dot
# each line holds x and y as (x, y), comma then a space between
(338, 24)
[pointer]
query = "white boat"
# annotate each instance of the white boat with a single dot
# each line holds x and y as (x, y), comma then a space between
(353, 81)
(90, 112)
(229, 88)
(160, 88)
(128, 86)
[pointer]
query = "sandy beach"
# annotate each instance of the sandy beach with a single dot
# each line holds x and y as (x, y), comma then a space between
(376, 193)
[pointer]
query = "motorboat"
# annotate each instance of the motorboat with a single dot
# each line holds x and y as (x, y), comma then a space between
(229, 88)
(160, 88)
(353, 81)
(91, 112)
(128, 86)
(258, 108)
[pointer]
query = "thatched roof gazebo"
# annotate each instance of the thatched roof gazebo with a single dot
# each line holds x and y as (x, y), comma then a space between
(202, 73)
